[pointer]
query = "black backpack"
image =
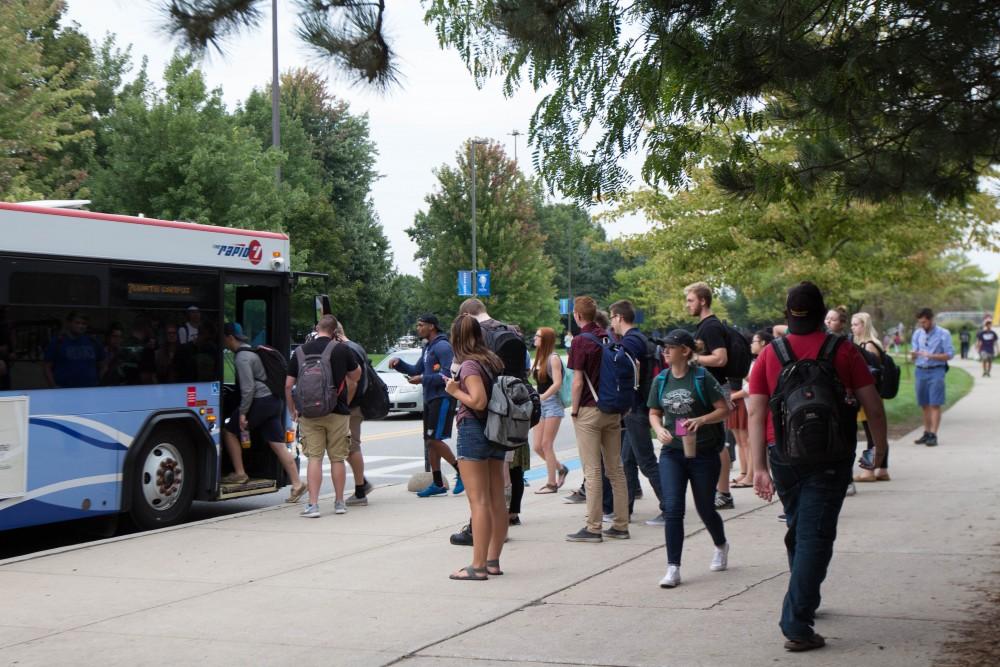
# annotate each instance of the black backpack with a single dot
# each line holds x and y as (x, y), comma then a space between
(506, 344)
(648, 369)
(738, 355)
(275, 368)
(889, 386)
(374, 401)
(813, 421)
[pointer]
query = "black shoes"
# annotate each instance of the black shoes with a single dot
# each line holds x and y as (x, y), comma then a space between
(462, 538)
(798, 645)
(932, 440)
(922, 440)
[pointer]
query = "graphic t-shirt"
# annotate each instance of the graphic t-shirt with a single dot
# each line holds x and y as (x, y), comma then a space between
(74, 360)
(680, 399)
(987, 341)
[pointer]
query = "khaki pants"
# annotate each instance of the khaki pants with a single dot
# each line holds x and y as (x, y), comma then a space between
(599, 438)
(330, 434)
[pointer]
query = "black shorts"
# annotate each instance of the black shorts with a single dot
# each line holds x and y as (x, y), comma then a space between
(264, 419)
(439, 415)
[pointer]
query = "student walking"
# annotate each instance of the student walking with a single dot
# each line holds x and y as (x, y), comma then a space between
(809, 472)
(686, 403)
(548, 374)
(986, 341)
(931, 349)
(866, 337)
(480, 461)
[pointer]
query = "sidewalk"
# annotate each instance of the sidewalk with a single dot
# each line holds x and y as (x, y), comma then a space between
(372, 587)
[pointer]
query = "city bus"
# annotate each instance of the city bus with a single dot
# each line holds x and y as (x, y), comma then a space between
(113, 380)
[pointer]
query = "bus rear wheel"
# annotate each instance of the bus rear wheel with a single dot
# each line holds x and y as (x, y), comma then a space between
(164, 479)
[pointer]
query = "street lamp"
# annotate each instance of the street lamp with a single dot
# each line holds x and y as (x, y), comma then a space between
(472, 160)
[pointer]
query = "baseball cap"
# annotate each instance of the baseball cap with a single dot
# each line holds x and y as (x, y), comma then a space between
(804, 308)
(192, 309)
(679, 337)
(235, 330)
(430, 318)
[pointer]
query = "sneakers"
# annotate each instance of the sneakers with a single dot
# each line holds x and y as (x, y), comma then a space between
(354, 501)
(459, 487)
(462, 538)
(931, 440)
(310, 512)
(797, 645)
(432, 490)
(851, 489)
(659, 520)
(616, 534)
(576, 498)
(782, 518)
(723, 501)
(720, 559)
(339, 507)
(672, 577)
(922, 440)
(584, 535)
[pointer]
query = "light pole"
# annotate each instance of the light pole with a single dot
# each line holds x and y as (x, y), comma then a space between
(275, 88)
(472, 160)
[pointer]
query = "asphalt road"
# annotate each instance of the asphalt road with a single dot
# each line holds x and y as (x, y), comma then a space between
(393, 450)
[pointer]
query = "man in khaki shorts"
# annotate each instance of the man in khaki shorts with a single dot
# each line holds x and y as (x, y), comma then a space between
(330, 433)
(355, 459)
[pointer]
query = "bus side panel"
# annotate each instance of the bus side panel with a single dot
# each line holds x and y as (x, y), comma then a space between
(76, 449)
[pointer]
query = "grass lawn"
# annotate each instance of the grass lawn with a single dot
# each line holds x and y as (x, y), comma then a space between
(904, 414)
(376, 358)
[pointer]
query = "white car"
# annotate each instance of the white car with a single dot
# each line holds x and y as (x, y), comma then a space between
(403, 396)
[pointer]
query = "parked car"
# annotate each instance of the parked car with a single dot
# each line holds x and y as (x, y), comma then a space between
(403, 396)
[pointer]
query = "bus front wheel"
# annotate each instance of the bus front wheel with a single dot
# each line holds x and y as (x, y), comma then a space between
(164, 479)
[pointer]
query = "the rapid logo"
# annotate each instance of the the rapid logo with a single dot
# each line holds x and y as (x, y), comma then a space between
(252, 251)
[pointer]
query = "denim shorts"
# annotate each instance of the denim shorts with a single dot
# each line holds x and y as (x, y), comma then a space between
(472, 443)
(553, 407)
(930, 386)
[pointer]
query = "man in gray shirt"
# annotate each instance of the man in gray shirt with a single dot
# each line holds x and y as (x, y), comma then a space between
(259, 412)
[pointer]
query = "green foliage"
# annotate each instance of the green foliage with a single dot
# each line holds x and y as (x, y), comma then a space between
(879, 99)
(510, 241)
(576, 243)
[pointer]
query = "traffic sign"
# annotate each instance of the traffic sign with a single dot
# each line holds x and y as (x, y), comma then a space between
(564, 307)
(483, 283)
(465, 283)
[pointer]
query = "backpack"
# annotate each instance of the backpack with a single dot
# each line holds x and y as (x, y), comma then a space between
(813, 421)
(618, 380)
(374, 395)
(648, 368)
(506, 344)
(512, 403)
(275, 368)
(889, 386)
(315, 394)
(566, 389)
(738, 355)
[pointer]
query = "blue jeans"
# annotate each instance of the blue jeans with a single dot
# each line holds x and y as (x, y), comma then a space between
(675, 473)
(637, 454)
(812, 497)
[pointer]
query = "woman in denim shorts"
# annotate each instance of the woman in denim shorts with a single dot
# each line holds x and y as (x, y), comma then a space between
(480, 462)
(548, 373)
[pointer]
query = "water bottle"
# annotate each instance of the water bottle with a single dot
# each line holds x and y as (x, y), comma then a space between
(245, 439)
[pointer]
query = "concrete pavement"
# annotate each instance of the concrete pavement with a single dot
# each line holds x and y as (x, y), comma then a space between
(371, 587)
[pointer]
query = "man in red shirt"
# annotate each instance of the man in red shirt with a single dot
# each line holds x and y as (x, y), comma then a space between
(811, 495)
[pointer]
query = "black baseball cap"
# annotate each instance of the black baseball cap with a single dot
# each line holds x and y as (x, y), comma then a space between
(235, 330)
(430, 318)
(679, 337)
(804, 308)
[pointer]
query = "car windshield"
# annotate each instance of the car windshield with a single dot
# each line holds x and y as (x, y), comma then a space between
(409, 356)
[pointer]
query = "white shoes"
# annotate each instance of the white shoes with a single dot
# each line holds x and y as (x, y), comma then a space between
(720, 560)
(672, 578)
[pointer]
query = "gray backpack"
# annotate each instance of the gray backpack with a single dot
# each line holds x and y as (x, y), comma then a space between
(315, 394)
(511, 405)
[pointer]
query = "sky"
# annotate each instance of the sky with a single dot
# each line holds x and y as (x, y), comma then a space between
(417, 126)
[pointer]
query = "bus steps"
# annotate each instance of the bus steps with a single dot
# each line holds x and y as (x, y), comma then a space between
(252, 487)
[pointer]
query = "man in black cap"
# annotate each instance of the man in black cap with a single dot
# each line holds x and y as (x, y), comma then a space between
(439, 408)
(811, 494)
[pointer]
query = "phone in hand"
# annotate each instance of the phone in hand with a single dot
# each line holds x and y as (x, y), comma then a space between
(680, 427)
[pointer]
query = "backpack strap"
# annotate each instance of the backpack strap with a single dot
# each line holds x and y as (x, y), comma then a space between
(828, 351)
(699, 382)
(783, 350)
(662, 377)
(600, 343)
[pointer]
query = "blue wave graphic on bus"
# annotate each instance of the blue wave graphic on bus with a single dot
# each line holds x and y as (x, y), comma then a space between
(103, 444)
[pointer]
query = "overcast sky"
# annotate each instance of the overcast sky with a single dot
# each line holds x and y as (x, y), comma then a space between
(417, 126)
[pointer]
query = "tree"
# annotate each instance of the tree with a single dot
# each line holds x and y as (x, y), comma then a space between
(575, 242)
(510, 242)
(44, 95)
(885, 98)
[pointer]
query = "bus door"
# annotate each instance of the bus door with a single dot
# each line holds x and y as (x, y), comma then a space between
(259, 304)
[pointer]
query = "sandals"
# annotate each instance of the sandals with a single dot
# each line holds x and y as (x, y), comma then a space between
(471, 574)
(563, 474)
(493, 567)
(740, 485)
(293, 496)
(548, 488)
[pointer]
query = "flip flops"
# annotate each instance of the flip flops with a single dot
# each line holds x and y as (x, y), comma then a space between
(293, 496)
(548, 488)
(563, 473)
(471, 574)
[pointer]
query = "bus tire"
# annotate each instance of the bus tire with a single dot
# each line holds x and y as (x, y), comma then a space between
(164, 479)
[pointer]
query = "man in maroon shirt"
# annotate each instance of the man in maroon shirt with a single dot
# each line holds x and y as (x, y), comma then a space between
(811, 495)
(598, 434)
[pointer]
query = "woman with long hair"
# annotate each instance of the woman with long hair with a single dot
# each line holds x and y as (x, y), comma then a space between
(547, 371)
(866, 337)
(480, 462)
